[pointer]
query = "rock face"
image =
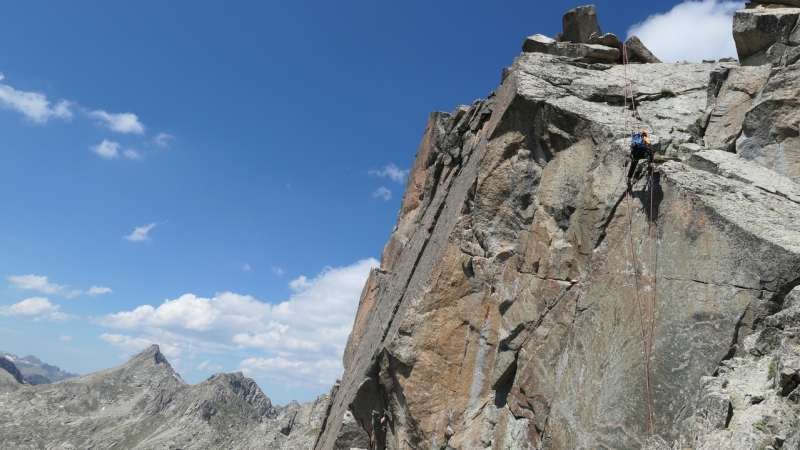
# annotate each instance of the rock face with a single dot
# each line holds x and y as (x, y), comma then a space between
(770, 133)
(145, 404)
(525, 298)
(744, 405)
(768, 35)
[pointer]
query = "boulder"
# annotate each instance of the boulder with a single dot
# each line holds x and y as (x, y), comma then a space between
(608, 39)
(538, 43)
(731, 105)
(579, 24)
(756, 30)
(638, 52)
(587, 52)
(770, 134)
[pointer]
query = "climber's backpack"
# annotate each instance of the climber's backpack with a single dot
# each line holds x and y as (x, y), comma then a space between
(638, 143)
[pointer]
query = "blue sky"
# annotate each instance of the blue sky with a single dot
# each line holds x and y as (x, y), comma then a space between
(218, 178)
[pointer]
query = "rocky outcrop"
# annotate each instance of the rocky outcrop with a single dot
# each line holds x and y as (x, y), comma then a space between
(145, 404)
(583, 41)
(767, 33)
(525, 297)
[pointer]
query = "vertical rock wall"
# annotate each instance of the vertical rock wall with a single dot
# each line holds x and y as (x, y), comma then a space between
(521, 286)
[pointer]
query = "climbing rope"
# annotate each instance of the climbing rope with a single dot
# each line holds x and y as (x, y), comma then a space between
(647, 332)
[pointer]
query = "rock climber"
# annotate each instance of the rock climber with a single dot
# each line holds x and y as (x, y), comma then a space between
(641, 148)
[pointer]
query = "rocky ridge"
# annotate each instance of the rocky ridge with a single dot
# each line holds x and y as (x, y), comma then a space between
(523, 286)
(144, 404)
(35, 371)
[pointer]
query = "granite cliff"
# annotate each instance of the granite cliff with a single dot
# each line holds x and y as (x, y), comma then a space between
(527, 299)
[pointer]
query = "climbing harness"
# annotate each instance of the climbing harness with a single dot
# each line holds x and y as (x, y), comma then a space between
(649, 310)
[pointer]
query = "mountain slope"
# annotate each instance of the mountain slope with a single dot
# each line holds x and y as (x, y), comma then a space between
(144, 404)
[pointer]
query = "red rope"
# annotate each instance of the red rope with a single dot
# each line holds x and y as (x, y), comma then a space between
(646, 336)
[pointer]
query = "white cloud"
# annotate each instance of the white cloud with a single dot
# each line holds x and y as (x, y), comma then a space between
(384, 193)
(162, 140)
(209, 366)
(278, 271)
(99, 290)
(65, 338)
(391, 171)
(37, 283)
(36, 309)
(691, 31)
(245, 267)
(107, 149)
(40, 283)
(304, 337)
(136, 345)
(132, 154)
(140, 234)
(121, 123)
(33, 105)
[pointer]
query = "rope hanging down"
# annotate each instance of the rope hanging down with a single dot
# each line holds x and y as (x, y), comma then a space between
(647, 331)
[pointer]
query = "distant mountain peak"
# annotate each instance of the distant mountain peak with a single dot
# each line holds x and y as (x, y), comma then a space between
(35, 371)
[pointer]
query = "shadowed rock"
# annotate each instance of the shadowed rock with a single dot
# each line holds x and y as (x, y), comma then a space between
(9, 367)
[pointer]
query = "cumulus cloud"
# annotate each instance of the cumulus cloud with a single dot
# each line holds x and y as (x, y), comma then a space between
(245, 267)
(107, 149)
(391, 171)
(278, 271)
(140, 234)
(41, 284)
(119, 122)
(691, 31)
(65, 338)
(162, 140)
(137, 344)
(33, 105)
(383, 193)
(303, 337)
(37, 283)
(36, 309)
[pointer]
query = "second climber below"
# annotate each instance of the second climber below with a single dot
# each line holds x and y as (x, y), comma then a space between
(641, 148)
